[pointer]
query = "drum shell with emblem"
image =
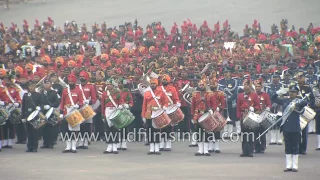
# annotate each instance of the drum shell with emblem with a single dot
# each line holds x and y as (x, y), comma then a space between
(87, 112)
(74, 118)
(37, 119)
(15, 116)
(53, 116)
(175, 114)
(4, 115)
(251, 121)
(208, 122)
(160, 119)
(121, 118)
(267, 119)
(219, 118)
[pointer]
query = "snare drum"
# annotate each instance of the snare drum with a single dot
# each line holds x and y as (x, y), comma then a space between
(53, 116)
(4, 115)
(251, 121)
(121, 118)
(15, 116)
(175, 114)
(74, 118)
(160, 119)
(307, 116)
(267, 119)
(208, 122)
(87, 112)
(37, 119)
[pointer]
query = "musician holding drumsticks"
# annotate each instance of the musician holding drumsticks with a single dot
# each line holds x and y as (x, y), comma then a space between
(260, 144)
(153, 101)
(248, 101)
(71, 100)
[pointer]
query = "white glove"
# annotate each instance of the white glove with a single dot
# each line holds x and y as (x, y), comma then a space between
(218, 109)
(210, 111)
(2, 103)
(179, 104)
(110, 124)
(164, 108)
(76, 106)
(38, 108)
(251, 109)
(87, 101)
(23, 120)
(267, 109)
(126, 106)
(61, 116)
(144, 120)
(192, 121)
(16, 105)
(46, 107)
(120, 107)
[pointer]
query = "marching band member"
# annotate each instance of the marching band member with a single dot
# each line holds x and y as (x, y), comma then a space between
(88, 92)
(100, 85)
(14, 100)
(219, 104)
(265, 104)
(275, 135)
(316, 93)
(71, 100)
(291, 128)
(247, 101)
(202, 102)
(31, 101)
(170, 91)
(128, 103)
(312, 81)
(111, 102)
(185, 107)
(229, 86)
(50, 99)
(303, 91)
(153, 100)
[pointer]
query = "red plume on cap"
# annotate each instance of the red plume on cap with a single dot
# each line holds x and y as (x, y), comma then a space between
(99, 34)
(37, 23)
(72, 78)
(189, 23)
(85, 37)
(205, 24)
(130, 34)
(49, 19)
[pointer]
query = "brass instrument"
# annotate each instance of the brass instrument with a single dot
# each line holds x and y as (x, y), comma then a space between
(187, 90)
(40, 84)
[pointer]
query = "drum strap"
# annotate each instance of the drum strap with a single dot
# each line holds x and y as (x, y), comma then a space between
(10, 97)
(111, 99)
(154, 97)
(69, 94)
(84, 97)
(165, 92)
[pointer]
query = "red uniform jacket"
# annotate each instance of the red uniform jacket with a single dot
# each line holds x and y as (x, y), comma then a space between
(89, 92)
(65, 100)
(171, 93)
(218, 100)
(201, 102)
(149, 104)
(14, 93)
(127, 96)
(264, 100)
(244, 102)
(106, 102)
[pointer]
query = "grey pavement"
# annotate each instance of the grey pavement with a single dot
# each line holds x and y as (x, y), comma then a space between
(300, 13)
(135, 164)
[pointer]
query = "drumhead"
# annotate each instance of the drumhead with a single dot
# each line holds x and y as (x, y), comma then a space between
(203, 117)
(156, 113)
(32, 115)
(49, 112)
(114, 114)
(171, 109)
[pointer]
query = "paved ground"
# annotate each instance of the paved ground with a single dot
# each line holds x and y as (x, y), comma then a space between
(180, 163)
(239, 13)
(135, 164)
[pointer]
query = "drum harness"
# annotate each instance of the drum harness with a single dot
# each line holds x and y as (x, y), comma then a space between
(167, 94)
